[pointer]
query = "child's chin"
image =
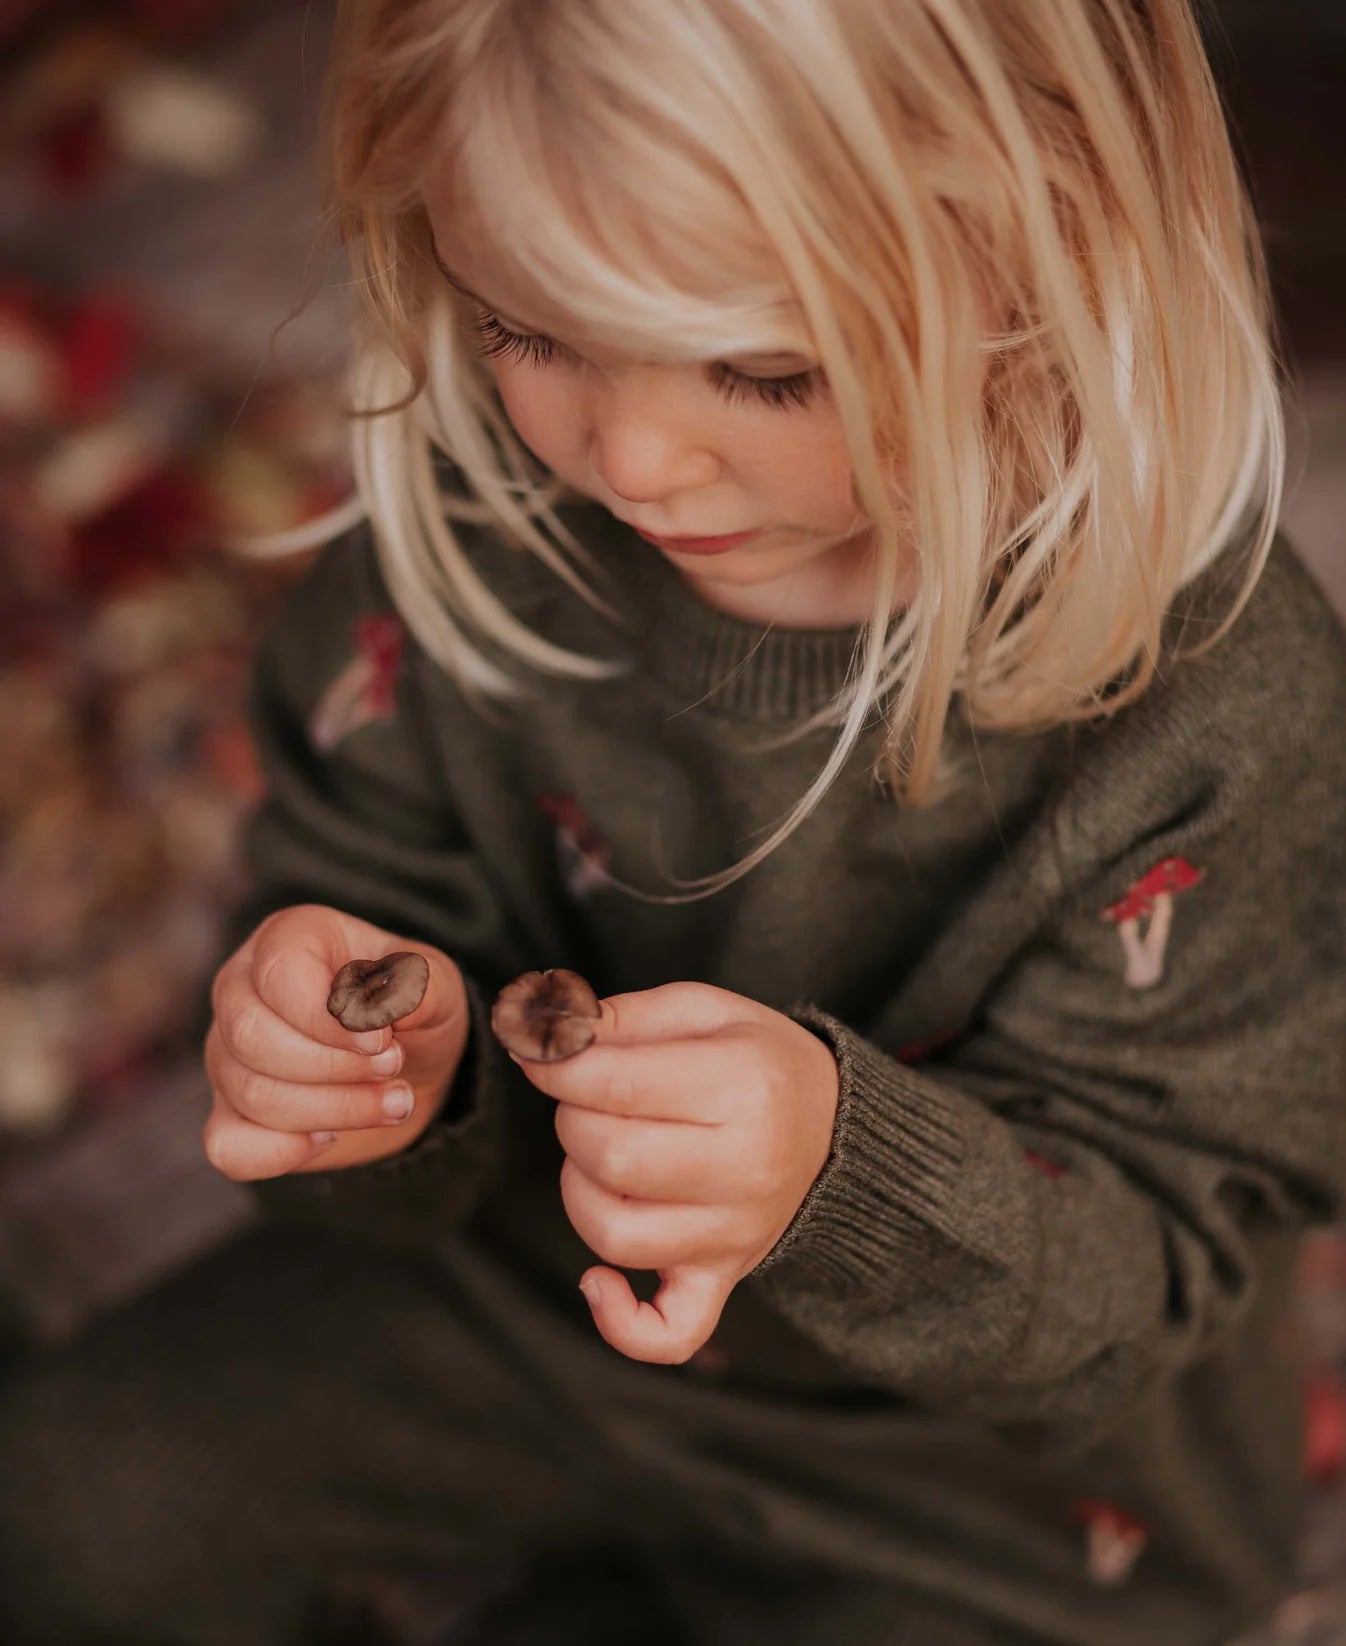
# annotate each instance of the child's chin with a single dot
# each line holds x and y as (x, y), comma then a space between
(733, 566)
(751, 564)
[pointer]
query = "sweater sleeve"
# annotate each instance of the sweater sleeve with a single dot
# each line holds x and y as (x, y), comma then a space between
(354, 816)
(1062, 1207)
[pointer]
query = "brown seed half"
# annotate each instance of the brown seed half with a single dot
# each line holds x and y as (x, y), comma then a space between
(370, 994)
(545, 1016)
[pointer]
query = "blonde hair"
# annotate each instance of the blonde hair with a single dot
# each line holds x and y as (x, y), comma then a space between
(1014, 230)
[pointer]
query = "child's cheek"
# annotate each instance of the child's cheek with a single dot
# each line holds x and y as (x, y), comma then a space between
(536, 406)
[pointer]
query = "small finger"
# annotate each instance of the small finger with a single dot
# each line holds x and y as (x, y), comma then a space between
(685, 1311)
(246, 1152)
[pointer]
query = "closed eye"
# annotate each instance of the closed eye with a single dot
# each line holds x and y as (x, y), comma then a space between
(496, 340)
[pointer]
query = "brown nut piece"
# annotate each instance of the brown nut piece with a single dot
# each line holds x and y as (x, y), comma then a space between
(370, 994)
(545, 1016)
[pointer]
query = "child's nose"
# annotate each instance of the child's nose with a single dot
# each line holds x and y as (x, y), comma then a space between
(646, 445)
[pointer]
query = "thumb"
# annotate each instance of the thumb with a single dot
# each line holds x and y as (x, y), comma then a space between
(668, 1331)
(295, 953)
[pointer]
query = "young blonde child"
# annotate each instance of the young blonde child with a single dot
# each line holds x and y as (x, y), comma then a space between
(821, 462)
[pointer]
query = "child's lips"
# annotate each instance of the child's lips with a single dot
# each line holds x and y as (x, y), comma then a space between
(697, 545)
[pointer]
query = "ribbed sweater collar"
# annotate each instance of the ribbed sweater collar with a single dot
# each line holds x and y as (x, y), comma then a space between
(748, 670)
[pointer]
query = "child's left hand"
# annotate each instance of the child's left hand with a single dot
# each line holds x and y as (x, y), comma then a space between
(693, 1126)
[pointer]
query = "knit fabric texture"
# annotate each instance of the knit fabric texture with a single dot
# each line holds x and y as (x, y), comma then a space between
(1088, 1011)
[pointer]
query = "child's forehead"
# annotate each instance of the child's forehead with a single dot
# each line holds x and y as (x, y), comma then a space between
(631, 293)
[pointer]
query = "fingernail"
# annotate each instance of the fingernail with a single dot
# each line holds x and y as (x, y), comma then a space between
(398, 1103)
(323, 1139)
(388, 1062)
(592, 1291)
(370, 1041)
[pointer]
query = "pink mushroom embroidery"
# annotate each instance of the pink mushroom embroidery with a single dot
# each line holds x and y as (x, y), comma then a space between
(365, 689)
(1150, 899)
(1116, 1540)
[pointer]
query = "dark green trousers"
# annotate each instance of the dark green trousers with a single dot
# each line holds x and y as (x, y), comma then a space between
(296, 1410)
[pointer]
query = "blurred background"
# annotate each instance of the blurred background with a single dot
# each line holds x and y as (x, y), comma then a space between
(159, 222)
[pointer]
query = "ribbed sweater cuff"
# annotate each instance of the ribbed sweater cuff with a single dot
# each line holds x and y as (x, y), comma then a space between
(897, 1146)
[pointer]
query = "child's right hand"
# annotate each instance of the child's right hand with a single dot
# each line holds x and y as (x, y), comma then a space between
(294, 1091)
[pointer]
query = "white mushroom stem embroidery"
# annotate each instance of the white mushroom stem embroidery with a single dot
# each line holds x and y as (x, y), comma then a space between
(1150, 899)
(1116, 1541)
(582, 855)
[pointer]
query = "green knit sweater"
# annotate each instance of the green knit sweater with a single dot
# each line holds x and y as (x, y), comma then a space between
(1089, 1013)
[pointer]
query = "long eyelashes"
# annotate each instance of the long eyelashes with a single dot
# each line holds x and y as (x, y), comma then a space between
(497, 340)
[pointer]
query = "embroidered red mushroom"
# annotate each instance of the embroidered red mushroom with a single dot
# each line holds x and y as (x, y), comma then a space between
(365, 688)
(1116, 1540)
(1151, 899)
